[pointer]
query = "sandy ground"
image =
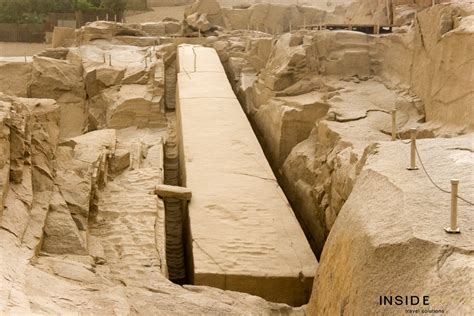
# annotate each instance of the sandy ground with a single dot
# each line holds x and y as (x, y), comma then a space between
(21, 49)
(158, 14)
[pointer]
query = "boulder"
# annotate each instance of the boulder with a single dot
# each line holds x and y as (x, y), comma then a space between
(286, 121)
(61, 80)
(91, 146)
(102, 77)
(98, 107)
(132, 107)
(198, 22)
(56, 79)
(211, 8)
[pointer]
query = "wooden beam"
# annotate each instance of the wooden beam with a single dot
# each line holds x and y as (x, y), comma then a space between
(172, 191)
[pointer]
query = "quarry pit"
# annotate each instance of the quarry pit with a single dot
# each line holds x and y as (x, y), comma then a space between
(245, 160)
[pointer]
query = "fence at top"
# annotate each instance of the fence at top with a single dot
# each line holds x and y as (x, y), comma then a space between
(35, 33)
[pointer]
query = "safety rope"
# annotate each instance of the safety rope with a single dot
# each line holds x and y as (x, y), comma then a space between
(428, 175)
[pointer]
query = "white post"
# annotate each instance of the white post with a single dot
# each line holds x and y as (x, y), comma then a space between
(413, 150)
(104, 58)
(110, 59)
(115, 17)
(394, 125)
(453, 228)
(97, 18)
(106, 16)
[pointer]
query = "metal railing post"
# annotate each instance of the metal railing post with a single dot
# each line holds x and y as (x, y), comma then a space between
(394, 124)
(453, 227)
(413, 150)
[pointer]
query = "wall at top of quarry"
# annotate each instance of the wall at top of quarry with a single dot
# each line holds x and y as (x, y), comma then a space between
(275, 17)
(322, 4)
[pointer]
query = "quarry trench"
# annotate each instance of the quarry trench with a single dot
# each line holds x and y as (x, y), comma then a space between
(180, 254)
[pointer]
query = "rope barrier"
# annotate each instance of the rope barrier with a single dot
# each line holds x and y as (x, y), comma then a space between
(437, 186)
(401, 139)
(428, 175)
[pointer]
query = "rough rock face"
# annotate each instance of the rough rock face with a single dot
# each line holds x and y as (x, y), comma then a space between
(433, 61)
(367, 255)
(29, 146)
